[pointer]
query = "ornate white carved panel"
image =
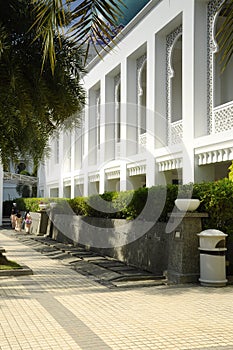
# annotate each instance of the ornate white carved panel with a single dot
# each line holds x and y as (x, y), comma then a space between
(176, 132)
(142, 139)
(94, 177)
(215, 156)
(113, 173)
(212, 47)
(223, 118)
(79, 180)
(136, 169)
(170, 164)
(170, 42)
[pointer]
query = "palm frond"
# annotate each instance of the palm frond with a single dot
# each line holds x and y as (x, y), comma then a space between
(81, 23)
(225, 34)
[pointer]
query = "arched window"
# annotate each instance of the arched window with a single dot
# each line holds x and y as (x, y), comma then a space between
(142, 98)
(176, 81)
(223, 81)
(174, 86)
(117, 109)
(141, 93)
(98, 118)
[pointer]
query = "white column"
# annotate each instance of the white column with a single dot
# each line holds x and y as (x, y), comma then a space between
(102, 181)
(160, 127)
(61, 161)
(109, 122)
(123, 108)
(188, 93)
(123, 150)
(201, 67)
(91, 115)
(150, 115)
(131, 100)
(201, 90)
(102, 120)
(123, 177)
(85, 185)
(72, 163)
(85, 152)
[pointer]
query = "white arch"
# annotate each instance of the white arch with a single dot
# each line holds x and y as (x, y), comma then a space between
(215, 47)
(117, 109)
(170, 67)
(140, 89)
(140, 93)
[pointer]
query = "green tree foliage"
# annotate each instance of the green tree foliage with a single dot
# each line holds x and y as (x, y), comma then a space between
(230, 174)
(217, 200)
(225, 33)
(33, 101)
(89, 22)
(23, 190)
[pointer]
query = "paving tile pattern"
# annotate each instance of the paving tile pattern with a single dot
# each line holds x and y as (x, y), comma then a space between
(59, 308)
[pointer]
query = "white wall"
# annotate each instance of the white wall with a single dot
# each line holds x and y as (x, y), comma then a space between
(148, 36)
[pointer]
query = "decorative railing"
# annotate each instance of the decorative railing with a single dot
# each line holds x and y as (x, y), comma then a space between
(18, 178)
(142, 142)
(176, 132)
(142, 139)
(223, 118)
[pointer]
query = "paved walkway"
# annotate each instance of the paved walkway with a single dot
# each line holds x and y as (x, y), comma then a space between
(59, 308)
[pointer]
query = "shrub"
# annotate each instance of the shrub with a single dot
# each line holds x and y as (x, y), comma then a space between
(79, 205)
(217, 200)
(150, 204)
(32, 204)
(158, 200)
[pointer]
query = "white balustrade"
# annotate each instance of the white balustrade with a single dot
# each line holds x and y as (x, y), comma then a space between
(223, 118)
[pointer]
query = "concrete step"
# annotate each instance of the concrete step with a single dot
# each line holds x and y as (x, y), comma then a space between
(6, 222)
(103, 269)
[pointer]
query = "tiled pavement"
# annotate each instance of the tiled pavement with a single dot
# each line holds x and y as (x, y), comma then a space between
(59, 308)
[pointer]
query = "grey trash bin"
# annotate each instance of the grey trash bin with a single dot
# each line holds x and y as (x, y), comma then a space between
(212, 258)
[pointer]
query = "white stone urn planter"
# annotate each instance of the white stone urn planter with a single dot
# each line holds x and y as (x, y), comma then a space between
(187, 204)
(43, 206)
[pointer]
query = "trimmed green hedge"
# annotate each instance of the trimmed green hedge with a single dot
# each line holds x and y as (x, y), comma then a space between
(31, 204)
(150, 204)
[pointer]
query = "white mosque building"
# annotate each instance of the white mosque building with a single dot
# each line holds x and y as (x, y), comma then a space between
(158, 110)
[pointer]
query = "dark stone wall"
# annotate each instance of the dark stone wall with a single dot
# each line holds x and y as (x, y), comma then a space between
(143, 244)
